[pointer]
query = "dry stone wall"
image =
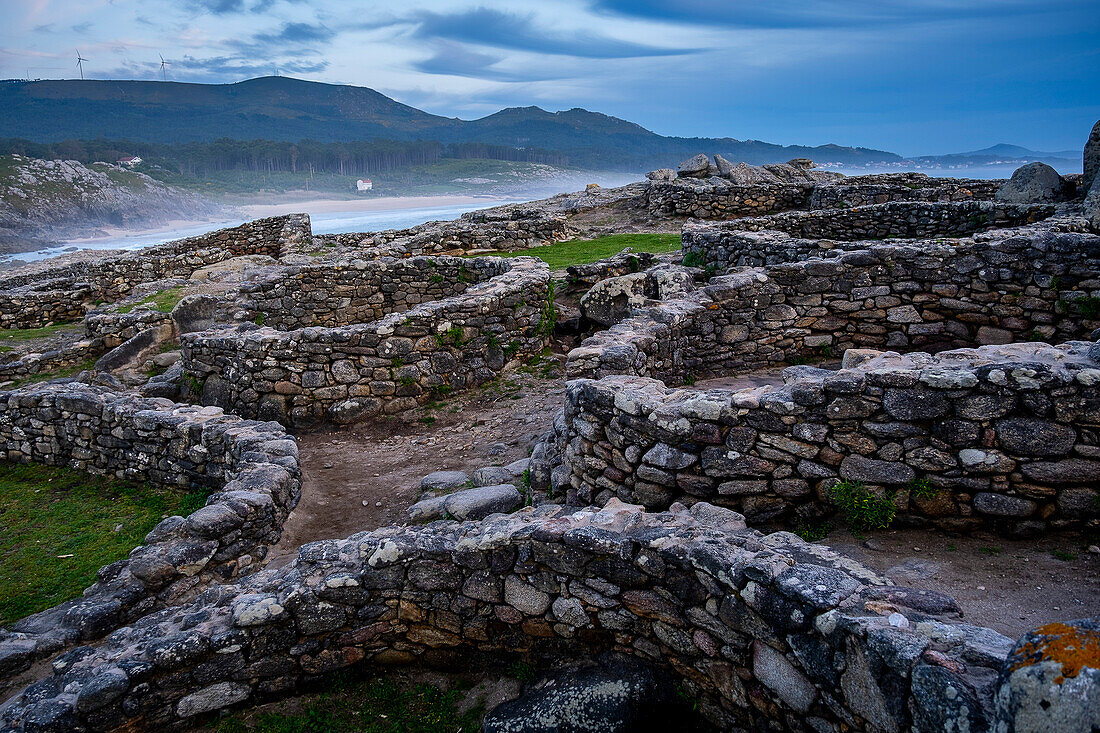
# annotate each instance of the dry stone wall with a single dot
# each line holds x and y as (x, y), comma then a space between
(1029, 286)
(360, 291)
(901, 219)
(720, 199)
(251, 468)
(63, 292)
(883, 188)
(350, 373)
(765, 632)
(1006, 437)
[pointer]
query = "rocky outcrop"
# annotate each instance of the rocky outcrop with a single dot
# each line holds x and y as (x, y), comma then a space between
(42, 200)
(1034, 183)
(614, 299)
(1091, 158)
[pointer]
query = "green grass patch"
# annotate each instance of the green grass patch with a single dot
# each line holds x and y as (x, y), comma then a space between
(11, 335)
(55, 374)
(57, 528)
(862, 508)
(162, 301)
(585, 251)
(371, 706)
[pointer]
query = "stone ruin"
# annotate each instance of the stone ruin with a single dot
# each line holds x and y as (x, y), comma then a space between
(647, 551)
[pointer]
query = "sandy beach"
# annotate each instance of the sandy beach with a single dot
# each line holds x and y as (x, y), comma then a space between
(390, 203)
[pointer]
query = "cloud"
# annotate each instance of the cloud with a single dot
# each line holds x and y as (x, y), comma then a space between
(298, 33)
(454, 59)
(82, 28)
(219, 7)
(494, 28)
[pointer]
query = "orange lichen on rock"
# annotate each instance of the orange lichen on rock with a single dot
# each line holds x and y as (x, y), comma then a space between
(1074, 648)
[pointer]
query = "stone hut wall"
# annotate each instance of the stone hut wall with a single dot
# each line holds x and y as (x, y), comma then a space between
(880, 189)
(715, 199)
(1002, 437)
(762, 631)
(251, 467)
(63, 292)
(1028, 287)
(351, 373)
(900, 219)
(360, 291)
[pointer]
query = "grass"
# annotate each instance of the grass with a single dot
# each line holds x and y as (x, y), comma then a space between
(30, 334)
(57, 528)
(56, 374)
(162, 301)
(585, 251)
(813, 531)
(365, 706)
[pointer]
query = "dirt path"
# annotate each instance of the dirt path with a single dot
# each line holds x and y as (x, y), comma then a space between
(366, 476)
(1008, 585)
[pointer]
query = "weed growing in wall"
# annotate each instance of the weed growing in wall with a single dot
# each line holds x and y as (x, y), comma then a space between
(862, 508)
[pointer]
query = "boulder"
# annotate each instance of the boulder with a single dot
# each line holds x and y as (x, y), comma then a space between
(615, 697)
(744, 174)
(697, 167)
(195, 313)
(444, 481)
(614, 299)
(232, 269)
(661, 174)
(134, 352)
(1091, 162)
(1091, 206)
(725, 168)
(1034, 183)
(1051, 680)
(475, 503)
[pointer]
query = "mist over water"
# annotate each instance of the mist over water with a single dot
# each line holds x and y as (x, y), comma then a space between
(324, 222)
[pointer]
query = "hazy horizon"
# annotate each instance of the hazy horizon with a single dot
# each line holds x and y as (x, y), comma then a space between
(934, 80)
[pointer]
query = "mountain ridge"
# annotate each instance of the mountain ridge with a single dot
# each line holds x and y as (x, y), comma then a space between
(287, 109)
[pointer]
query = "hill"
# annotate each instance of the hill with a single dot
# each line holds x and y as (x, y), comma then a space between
(41, 200)
(286, 109)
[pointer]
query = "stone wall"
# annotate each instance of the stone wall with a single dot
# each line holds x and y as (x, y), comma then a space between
(251, 467)
(360, 291)
(901, 219)
(351, 373)
(718, 199)
(762, 632)
(882, 188)
(62, 292)
(1005, 437)
(1034, 285)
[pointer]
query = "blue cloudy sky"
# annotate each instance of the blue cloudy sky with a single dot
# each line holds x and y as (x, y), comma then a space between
(912, 76)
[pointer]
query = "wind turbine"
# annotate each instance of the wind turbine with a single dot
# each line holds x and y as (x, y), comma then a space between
(163, 65)
(80, 63)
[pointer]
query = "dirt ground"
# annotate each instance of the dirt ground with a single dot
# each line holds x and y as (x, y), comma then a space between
(366, 476)
(1008, 585)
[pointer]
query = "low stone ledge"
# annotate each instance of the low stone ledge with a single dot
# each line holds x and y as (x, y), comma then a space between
(735, 616)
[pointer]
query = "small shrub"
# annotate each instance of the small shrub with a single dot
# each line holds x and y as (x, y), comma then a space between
(408, 381)
(452, 336)
(521, 671)
(689, 380)
(922, 488)
(862, 508)
(260, 319)
(694, 259)
(549, 316)
(1064, 555)
(813, 531)
(991, 551)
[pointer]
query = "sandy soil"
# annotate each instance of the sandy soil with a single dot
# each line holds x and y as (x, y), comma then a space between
(1008, 585)
(366, 476)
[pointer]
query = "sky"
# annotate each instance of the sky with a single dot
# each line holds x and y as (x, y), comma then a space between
(909, 76)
